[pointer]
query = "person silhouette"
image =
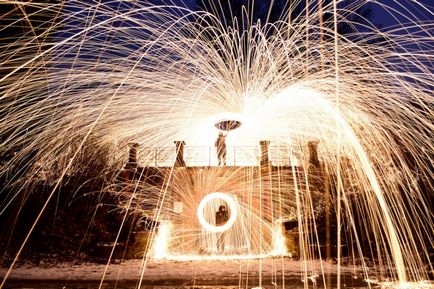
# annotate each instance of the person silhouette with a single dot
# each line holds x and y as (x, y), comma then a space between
(220, 144)
(221, 217)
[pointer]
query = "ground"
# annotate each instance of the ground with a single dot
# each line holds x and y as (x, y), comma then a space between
(175, 272)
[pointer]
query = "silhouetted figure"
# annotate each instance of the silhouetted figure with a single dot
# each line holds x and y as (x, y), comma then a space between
(221, 217)
(220, 144)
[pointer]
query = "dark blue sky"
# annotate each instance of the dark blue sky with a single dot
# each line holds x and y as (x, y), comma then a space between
(380, 15)
(407, 7)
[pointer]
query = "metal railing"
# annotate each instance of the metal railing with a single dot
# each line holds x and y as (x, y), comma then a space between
(207, 156)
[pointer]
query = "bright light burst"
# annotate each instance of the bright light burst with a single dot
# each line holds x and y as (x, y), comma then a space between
(232, 209)
(149, 75)
(160, 243)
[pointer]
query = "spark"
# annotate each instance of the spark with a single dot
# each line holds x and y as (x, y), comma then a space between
(161, 240)
(87, 83)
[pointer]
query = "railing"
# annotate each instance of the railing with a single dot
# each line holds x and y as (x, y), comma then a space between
(207, 156)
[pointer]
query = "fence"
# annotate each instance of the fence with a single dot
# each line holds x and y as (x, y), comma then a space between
(207, 156)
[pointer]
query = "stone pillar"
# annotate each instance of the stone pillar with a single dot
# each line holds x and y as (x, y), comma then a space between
(179, 161)
(265, 159)
(313, 153)
(132, 156)
(129, 173)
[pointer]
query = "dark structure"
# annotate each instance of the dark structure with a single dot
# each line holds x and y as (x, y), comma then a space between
(267, 180)
(179, 162)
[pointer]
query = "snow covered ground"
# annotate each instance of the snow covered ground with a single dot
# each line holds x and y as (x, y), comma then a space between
(269, 268)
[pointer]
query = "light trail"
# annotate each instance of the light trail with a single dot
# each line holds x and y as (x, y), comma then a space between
(103, 77)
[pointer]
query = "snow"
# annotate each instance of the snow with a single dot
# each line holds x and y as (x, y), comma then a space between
(170, 269)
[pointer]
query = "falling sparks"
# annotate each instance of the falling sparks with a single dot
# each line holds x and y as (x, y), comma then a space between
(365, 98)
(161, 241)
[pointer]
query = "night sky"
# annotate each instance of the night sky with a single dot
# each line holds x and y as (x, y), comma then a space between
(384, 18)
(380, 16)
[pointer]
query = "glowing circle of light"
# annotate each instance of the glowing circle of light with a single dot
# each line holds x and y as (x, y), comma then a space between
(232, 207)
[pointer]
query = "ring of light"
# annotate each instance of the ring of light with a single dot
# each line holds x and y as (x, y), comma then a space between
(232, 207)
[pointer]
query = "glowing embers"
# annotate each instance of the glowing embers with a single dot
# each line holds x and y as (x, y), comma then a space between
(161, 242)
(230, 201)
